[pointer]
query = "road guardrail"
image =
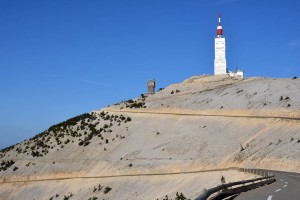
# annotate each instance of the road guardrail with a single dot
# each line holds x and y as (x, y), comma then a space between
(231, 189)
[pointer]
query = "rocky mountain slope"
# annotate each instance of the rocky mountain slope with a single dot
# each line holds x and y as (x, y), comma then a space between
(205, 122)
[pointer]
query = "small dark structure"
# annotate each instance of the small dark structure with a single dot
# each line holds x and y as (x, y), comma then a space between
(151, 86)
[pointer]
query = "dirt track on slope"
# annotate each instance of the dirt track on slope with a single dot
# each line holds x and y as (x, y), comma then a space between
(205, 113)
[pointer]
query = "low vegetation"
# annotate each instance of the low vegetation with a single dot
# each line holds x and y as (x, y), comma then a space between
(93, 198)
(6, 165)
(67, 197)
(107, 190)
(138, 103)
(176, 91)
(95, 190)
(80, 130)
(242, 148)
(284, 98)
(178, 197)
(134, 104)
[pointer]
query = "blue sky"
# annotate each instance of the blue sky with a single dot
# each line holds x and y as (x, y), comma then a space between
(62, 58)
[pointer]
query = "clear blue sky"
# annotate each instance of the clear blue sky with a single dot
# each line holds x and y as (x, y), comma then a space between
(61, 58)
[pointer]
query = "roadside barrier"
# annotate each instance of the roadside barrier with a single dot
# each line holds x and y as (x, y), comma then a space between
(231, 189)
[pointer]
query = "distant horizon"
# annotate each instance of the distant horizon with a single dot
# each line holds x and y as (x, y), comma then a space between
(62, 59)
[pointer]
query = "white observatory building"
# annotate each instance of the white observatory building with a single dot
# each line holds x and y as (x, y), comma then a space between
(220, 66)
(220, 51)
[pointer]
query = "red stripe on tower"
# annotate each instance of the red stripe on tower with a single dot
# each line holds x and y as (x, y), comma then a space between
(219, 28)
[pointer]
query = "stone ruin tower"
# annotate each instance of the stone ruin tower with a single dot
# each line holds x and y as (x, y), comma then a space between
(151, 86)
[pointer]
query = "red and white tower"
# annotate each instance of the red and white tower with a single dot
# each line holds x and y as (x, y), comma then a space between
(219, 28)
(220, 51)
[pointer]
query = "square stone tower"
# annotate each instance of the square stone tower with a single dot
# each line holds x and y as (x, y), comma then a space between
(151, 86)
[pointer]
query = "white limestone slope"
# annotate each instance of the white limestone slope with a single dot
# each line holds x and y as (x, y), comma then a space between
(251, 95)
(205, 123)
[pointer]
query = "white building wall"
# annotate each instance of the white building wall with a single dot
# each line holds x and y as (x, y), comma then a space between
(239, 74)
(220, 66)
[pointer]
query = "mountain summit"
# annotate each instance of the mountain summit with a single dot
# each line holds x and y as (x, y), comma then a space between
(205, 122)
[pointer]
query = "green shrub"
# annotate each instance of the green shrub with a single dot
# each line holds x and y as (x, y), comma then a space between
(180, 196)
(80, 143)
(105, 126)
(100, 187)
(281, 98)
(68, 196)
(36, 154)
(137, 105)
(107, 190)
(86, 143)
(242, 149)
(5, 165)
(93, 198)
(67, 141)
(130, 101)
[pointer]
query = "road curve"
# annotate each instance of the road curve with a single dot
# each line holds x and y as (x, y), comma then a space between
(286, 187)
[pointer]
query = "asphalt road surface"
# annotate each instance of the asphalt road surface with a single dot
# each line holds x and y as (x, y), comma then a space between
(286, 187)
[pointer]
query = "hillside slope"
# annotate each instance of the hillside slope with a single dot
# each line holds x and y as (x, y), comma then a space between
(205, 122)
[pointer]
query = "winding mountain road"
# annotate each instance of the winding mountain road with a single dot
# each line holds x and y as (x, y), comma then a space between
(199, 114)
(287, 187)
